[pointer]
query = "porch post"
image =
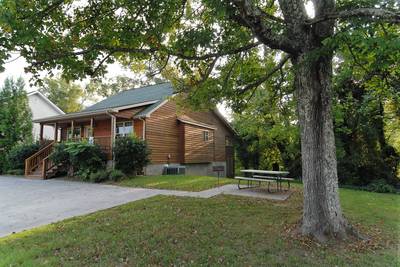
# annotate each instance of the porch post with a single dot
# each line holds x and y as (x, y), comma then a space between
(72, 129)
(113, 125)
(113, 122)
(41, 132)
(91, 127)
(55, 132)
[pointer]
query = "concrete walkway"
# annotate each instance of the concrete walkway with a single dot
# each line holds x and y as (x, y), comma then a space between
(27, 203)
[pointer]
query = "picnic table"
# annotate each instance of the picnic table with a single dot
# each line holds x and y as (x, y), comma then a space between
(267, 176)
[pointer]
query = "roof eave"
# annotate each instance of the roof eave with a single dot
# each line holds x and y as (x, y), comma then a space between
(46, 100)
(54, 119)
(225, 121)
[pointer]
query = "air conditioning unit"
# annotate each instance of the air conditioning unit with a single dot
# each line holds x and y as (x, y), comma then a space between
(174, 169)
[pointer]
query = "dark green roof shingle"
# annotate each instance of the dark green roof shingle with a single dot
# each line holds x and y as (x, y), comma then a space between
(157, 92)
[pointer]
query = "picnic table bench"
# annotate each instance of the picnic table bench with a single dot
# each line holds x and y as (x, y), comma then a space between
(266, 176)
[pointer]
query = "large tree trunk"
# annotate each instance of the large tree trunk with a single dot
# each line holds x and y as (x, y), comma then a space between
(322, 215)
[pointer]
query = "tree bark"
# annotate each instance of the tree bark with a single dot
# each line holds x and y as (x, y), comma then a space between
(322, 214)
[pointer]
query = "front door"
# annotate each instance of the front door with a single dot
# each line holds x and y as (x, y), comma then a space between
(230, 161)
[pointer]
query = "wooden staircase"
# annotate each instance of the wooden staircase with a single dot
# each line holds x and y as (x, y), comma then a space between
(39, 165)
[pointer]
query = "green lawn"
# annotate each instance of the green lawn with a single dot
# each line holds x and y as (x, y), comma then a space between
(224, 230)
(176, 182)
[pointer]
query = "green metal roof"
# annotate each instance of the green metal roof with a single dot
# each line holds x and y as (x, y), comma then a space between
(156, 92)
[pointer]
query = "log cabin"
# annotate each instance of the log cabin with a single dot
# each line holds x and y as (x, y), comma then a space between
(201, 141)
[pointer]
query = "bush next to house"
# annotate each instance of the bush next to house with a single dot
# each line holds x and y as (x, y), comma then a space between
(131, 154)
(15, 159)
(106, 175)
(99, 176)
(60, 155)
(84, 158)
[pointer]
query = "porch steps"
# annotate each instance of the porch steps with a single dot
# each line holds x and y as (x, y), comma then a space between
(37, 173)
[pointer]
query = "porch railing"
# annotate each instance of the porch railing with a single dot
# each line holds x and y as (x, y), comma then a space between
(36, 159)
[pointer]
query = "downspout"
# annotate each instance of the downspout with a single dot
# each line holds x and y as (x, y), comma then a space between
(113, 120)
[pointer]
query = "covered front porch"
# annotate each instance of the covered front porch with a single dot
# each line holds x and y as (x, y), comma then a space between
(100, 127)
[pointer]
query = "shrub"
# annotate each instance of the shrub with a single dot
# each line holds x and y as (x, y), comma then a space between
(83, 174)
(115, 175)
(99, 176)
(16, 172)
(17, 155)
(131, 154)
(60, 155)
(3, 161)
(85, 156)
(381, 186)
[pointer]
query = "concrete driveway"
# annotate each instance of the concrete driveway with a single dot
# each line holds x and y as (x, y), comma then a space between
(26, 203)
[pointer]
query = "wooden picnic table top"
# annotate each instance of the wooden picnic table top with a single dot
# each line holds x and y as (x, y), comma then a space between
(266, 172)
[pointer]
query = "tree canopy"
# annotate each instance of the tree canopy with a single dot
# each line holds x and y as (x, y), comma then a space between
(15, 116)
(68, 96)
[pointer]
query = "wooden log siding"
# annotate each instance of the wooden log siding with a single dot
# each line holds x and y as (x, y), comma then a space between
(102, 128)
(196, 149)
(162, 135)
(221, 132)
(138, 128)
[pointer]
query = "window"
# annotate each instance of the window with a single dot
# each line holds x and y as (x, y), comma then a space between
(228, 141)
(74, 135)
(87, 131)
(206, 136)
(124, 128)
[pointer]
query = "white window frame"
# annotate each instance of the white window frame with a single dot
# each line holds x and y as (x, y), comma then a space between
(206, 136)
(70, 132)
(124, 126)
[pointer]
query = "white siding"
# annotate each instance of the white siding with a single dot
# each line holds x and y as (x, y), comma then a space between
(40, 108)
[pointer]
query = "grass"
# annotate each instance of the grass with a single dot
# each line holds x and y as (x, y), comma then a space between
(176, 182)
(224, 230)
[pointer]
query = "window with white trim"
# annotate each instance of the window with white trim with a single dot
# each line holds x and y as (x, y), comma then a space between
(206, 136)
(74, 135)
(124, 128)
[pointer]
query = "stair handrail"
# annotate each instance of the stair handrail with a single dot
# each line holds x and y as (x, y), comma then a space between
(34, 160)
(47, 165)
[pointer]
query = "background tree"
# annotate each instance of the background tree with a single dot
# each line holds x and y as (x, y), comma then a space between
(218, 50)
(15, 117)
(268, 126)
(68, 96)
(366, 88)
(366, 118)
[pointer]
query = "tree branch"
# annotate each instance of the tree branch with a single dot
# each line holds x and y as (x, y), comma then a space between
(266, 76)
(372, 13)
(112, 50)
(217, 54)
(253, 18)
(41, 14)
